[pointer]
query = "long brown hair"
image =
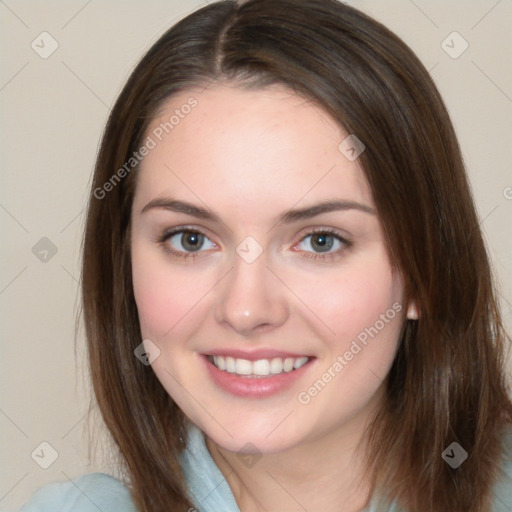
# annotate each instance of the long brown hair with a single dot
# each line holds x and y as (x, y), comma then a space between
(447, 383)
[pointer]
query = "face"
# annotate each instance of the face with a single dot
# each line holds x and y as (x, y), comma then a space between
(260, 270)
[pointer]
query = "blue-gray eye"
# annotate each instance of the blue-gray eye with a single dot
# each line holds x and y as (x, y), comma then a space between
(190, 241)
(322, 242)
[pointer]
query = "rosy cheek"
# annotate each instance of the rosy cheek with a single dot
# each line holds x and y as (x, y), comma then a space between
(154, 313)
(155, 296)
(352, 301)
(166, 300)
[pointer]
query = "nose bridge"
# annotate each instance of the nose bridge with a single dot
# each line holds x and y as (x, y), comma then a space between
(250, 296)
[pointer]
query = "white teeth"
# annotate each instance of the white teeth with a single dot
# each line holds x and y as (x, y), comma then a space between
(261, 367)
(299, 362)
(230, 365)
(276, 366)
(288, 364)
(220, 362)
(243, 367)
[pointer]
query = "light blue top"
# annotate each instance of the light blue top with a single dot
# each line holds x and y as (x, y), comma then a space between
(208, 488)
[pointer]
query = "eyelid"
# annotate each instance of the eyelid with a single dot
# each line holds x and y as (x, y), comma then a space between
(331, 231)
(167, 233)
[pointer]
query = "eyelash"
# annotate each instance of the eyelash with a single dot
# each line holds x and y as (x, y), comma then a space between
(166, 235)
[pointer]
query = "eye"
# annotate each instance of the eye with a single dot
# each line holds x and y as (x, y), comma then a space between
(184, 242)
(323, 244)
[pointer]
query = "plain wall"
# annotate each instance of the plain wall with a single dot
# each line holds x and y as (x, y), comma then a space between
(53, 111)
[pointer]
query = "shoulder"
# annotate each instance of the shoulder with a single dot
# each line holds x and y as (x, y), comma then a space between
(88, 493)
(503, 489)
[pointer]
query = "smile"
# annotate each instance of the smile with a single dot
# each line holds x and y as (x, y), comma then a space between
(258, 368)
(263, 375)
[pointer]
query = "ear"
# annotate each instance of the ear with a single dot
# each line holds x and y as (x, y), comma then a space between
(412, 311)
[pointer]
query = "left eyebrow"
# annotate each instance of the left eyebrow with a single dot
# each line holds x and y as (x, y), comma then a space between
(323, 207)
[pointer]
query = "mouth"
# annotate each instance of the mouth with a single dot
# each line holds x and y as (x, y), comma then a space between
(256, 373)
(259, 368)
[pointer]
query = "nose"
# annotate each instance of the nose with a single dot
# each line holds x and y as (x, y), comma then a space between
(251, 299)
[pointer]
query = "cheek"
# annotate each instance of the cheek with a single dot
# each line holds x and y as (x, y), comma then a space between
(163, 294)
(363, 306)
(354, 299)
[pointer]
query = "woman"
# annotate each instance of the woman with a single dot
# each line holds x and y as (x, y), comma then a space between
(287, 299)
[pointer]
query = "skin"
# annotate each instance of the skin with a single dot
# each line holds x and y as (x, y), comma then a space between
(250, 156)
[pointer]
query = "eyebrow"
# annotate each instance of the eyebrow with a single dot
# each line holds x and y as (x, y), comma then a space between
(287, 217)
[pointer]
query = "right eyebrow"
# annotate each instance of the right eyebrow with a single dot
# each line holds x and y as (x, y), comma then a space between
(181, 207)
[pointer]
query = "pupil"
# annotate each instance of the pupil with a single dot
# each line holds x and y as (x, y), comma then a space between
(321, 242)
(192, 241)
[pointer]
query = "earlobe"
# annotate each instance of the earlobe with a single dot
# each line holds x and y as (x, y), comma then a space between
(412, 311)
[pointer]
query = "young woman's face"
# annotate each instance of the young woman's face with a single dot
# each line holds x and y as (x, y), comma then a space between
(255, 240)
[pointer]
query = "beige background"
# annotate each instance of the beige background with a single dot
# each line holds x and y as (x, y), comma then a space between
(52, 114)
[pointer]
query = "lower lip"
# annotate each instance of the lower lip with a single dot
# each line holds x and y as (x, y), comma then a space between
(255, 387)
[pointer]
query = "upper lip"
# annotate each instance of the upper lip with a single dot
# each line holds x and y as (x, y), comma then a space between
(254, 355)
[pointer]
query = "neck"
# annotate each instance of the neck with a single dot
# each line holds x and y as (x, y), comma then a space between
(323, 473)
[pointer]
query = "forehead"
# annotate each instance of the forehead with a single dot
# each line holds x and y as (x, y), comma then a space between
(248, 148)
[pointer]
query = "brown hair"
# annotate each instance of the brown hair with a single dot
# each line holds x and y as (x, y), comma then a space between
(447, 382)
